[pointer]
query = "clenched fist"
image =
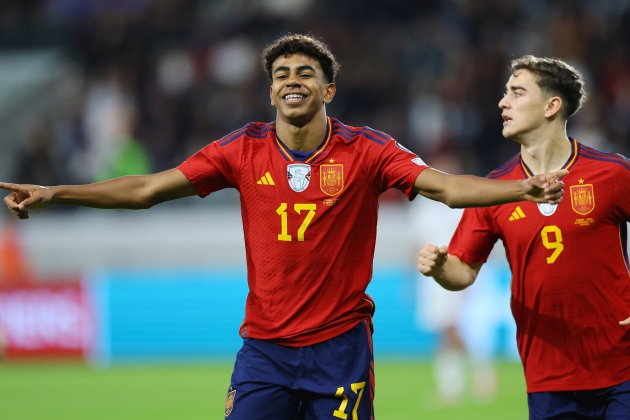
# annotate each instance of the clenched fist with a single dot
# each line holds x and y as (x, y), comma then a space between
(431, 259)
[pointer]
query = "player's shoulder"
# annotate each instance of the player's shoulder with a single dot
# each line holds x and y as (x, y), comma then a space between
(614, 160)
(507, 169)
(352, 134)
(250, 131)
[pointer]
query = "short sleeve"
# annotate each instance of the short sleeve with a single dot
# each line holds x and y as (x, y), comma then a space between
(397, 167)
(622, 190)
(209, 170)
(474, 237)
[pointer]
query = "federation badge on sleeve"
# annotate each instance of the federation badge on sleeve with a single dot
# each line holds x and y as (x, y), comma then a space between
(331, 178)
(299, 176)
(229, 402)
(582, 198)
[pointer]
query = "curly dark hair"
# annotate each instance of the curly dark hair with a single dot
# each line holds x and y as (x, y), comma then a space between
(557, 78)
(305, 44)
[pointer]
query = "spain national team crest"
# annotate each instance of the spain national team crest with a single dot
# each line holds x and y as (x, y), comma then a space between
(229, 402)
(299, 176)
(582, 198)
(331, 178)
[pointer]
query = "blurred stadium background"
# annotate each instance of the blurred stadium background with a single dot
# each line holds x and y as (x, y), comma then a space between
(120, 314)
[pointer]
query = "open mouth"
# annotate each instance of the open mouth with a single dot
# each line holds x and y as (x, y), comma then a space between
(294, 97)
(506, 119)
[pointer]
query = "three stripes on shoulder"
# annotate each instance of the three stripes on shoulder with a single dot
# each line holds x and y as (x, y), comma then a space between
(266, 180)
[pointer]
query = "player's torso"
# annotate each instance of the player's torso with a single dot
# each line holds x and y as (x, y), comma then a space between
(554, 243)
(307, 205)
(570, 283)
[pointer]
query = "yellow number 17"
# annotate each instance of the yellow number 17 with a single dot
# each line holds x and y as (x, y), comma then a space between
(284, 220)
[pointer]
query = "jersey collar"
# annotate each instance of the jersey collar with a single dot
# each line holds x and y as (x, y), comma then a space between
(288, 155)
(569, 163)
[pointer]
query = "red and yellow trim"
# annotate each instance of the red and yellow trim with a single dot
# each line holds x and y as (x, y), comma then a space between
(316, 153)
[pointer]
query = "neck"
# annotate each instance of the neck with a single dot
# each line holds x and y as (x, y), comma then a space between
(545, 150)
(303, 137)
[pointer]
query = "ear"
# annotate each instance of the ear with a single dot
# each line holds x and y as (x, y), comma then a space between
(331, 89)
(271, 96)
(553, 107)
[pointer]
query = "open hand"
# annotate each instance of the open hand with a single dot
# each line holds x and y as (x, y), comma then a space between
(25, 197)
(545, 188)
(431, 259)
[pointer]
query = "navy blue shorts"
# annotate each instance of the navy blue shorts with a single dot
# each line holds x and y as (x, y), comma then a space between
(606, 404)
(333, 379)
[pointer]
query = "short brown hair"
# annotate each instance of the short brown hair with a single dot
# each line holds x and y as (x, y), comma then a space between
(305, 44)
(555, 77)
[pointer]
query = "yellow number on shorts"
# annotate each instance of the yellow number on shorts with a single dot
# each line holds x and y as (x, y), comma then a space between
(341, 412)
(284, 220)
(555, 245)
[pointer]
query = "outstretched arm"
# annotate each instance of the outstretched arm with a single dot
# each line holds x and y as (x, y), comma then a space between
(447, 270)
(457, 191)
(127, 192)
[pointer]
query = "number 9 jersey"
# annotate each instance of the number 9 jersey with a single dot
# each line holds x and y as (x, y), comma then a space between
(570, 282)
(309, 222)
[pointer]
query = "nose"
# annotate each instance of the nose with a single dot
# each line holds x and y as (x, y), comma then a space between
(503, 103)
(293, 81)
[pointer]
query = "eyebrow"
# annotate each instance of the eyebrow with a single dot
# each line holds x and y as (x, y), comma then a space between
(513, 88)
(300, 68)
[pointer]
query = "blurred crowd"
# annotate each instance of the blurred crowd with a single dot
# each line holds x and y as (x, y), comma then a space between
(154, 81)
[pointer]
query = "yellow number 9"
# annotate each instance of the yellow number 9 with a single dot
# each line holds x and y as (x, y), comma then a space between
(555, 245)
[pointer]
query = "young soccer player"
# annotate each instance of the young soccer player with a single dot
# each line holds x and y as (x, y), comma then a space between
(570, 285)
(309, 188)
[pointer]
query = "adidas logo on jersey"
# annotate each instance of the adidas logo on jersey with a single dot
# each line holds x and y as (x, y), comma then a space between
(517, 214)
(266, 180)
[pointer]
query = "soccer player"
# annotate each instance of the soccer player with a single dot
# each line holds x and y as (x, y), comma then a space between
(309, 188)
(570, 285)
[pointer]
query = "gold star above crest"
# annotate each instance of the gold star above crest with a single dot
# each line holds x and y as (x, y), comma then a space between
(581, 181)
(332, 161)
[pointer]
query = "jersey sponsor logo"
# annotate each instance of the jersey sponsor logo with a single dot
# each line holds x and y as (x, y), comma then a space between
(418, 161)
(266, 180)
(331, 178)
(582, 198)
(229, 402)
(547, 209)
(299, 176)
(517, 214)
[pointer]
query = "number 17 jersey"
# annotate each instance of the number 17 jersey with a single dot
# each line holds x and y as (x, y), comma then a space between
(309, 223)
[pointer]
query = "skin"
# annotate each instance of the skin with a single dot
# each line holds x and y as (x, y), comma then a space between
(534, 119)
(301, 125)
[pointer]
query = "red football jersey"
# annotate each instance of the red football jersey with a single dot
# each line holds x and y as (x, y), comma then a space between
(570, 282)
(309, 225)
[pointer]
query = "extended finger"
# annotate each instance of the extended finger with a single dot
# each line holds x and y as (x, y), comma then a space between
(10, 187)
(625, 322)
(555, 186)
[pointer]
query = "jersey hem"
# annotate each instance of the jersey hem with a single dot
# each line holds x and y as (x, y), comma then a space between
(586, 386)
(309, 339)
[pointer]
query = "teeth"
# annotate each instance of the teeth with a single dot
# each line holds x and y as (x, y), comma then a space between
(294, 96)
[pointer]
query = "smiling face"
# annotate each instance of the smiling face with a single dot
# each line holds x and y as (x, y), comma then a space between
(299, 89)
(525, 106)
